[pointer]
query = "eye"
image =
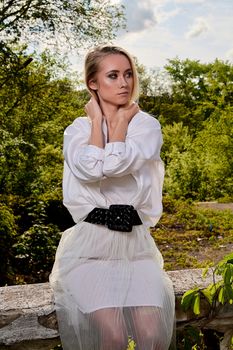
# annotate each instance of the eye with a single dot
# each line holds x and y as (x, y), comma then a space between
(112, 76)
(129, 74)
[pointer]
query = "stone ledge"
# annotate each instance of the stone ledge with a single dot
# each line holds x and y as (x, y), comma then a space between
(27, 312)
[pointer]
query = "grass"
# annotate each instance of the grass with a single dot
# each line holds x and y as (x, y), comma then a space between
(192, 236)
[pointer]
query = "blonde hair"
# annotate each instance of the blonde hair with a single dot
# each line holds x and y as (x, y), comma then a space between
(95, 56)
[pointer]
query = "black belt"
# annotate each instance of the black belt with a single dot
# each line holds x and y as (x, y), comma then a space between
(119, 217)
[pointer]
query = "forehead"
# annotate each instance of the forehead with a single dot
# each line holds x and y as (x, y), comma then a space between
(114, 62)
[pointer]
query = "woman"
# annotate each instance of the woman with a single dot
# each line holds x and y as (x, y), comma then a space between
(108, 276)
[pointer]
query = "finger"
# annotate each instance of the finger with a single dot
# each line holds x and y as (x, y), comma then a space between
(133, 106)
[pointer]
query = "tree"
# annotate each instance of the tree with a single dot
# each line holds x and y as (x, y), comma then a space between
(7, 233)
(154, 88)
(57, 25)
(35, 108)
(213, 147)
(200, 89)
(63, 22)
(200, 168)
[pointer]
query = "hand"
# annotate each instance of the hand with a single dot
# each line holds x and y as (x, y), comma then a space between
(124, 116)
(127, 113)
(93, 110)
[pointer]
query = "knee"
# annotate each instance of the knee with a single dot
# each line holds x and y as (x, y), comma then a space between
(151, 335)
(152, 339)
(117, 340)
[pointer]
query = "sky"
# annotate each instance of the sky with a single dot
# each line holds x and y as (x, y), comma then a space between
(158, 30)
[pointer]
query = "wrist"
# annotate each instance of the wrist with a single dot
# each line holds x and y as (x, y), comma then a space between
(96, 121)
(122, 122)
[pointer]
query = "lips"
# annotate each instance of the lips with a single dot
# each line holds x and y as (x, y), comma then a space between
(124, 93)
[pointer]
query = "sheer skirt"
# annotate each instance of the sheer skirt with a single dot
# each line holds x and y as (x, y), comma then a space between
(111, 290)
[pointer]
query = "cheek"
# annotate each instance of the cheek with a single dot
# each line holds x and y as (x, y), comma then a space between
(131, 85)
(106, 85)
(130, 82)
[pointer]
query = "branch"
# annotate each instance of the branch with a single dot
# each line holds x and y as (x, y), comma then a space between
(21, 12)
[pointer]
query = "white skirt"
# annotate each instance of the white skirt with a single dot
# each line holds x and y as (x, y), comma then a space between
(110, 288)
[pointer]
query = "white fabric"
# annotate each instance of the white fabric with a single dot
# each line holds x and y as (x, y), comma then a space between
(124, 269)
(98, 269)
(109, 285)
(129, 172)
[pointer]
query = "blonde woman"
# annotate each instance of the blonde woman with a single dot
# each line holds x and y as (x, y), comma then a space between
(108, 276)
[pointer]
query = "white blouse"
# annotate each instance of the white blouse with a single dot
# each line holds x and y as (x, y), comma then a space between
(129, 172)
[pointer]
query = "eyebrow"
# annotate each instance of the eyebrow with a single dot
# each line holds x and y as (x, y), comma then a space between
(117, 71)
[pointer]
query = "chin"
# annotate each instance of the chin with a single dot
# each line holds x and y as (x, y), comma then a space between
(125, 102)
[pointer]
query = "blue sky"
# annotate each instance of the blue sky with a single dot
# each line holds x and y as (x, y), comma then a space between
(159, 30)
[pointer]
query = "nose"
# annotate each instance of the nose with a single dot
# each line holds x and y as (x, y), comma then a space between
(122, 81)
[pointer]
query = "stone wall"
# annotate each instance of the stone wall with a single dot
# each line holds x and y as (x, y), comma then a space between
(28, 320)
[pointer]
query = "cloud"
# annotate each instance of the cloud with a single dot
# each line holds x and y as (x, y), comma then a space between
(200, 26)
(139, 15)
(163, 16)
(145, 14)
(189, 1)
(209, 21)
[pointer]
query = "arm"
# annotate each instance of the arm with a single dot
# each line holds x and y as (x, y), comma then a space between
(124, 116)
(84, 160)
(94, 112)
(143, 143)
(83, 145)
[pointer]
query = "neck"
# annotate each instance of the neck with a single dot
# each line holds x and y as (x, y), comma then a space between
(109, 112)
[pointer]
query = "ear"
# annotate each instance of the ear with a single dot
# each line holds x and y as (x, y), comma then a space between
(92, 84)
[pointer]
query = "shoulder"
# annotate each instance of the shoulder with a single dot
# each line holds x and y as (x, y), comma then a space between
(79, 124)
(143, 119)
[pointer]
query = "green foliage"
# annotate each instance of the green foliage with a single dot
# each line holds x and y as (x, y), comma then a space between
(193, 102)
(200, 167)
(191, 299)
(35, 251)
(7, 237)
(192, 237)
(32, 123)
(35, 109)
(190, 339)
(217, 294)
(198, 85)
(131, 344)
(13, 157)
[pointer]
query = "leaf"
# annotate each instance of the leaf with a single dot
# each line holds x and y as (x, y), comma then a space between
(131, 344)
(229, 292)
(215, 287)
(207, 295)
(221, 297)
(227, 276)
(205, 271)
(187, 299)
(196, 305)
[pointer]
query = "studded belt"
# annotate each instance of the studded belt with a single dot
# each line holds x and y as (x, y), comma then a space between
(119, 217)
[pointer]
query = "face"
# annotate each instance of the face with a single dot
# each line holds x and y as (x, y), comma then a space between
(113, 82)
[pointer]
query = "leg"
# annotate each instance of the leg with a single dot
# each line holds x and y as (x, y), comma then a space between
(112, 329)
(149, 328)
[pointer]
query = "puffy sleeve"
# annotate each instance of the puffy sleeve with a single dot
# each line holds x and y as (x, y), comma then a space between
(84, 161)
(143, 143)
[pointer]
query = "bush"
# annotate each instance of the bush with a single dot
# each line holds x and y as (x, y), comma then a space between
(35, 251)
(7, 239)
